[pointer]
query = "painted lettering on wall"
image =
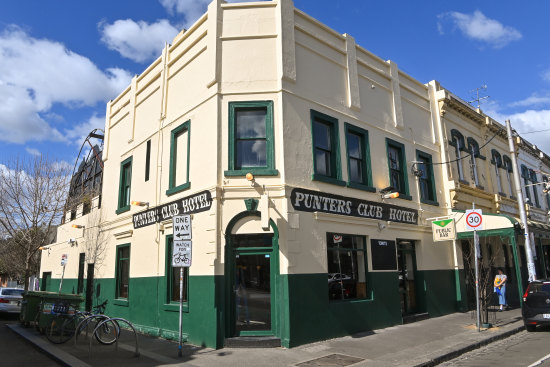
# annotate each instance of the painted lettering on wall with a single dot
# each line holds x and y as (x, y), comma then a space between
(188, 205)
(314, 201)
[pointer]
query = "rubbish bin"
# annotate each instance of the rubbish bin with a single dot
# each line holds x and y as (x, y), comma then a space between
(55, 303)
(29, 307)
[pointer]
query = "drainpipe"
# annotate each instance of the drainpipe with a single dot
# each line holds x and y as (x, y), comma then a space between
(437, 116)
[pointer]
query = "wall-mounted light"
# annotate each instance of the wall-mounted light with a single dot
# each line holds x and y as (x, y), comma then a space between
(389, 193)
(77, 226)
(42, 248)
(140, 203)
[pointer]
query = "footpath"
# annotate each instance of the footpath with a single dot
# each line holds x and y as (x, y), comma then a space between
(423, 343)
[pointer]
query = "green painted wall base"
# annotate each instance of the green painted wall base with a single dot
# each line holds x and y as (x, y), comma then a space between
(305, 312)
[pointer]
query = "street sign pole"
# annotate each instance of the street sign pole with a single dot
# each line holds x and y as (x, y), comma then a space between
(477, 251)
(181, 310)
(181, 257)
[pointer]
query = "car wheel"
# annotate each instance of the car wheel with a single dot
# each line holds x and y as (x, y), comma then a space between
(530, 328)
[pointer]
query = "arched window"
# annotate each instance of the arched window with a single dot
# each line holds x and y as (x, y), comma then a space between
(534, 181)
(473, 149)
(507, 162)
(496, 160)
(526, 178)
(457, 141)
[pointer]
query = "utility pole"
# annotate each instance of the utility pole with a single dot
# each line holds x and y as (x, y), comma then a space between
(521, 205)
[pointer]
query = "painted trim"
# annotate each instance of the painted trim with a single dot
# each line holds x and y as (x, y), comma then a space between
(147, 160)
(122, 206)
(429, 166)
(170, 305)
(172, 188)
(276, 287)
(335, 164)
(366, 182)
(269, 168)
(121, 300)
(403, 167)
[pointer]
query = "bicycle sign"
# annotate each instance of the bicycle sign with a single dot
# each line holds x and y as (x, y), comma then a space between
(181, 253)
(474, 220)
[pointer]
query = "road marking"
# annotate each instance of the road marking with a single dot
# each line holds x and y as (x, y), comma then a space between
(539, 362)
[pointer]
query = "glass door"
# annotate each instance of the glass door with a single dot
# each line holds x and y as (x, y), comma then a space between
(406, 267)
(252, 286)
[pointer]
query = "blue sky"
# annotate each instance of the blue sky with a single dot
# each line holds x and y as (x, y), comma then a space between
(61, 60)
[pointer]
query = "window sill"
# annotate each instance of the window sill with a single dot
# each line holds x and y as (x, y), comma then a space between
(330, 180)
(175, 307)
(513, 197)
(358, 186)
(121, 302)
(254, 171)
(502, 194)
(480, 187)
(429, 202)
(175, 190)
(405, 197)
(353, 300)
(464, 182)
(123, 209)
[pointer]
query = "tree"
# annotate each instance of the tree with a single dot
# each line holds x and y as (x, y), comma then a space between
(32, 196)
(490, 256)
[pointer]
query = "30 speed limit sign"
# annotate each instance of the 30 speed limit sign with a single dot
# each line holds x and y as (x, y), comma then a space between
(474, 220)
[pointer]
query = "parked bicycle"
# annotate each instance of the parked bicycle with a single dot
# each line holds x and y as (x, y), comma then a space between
(68, 323)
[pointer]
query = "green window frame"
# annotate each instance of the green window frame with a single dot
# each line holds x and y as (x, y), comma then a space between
(534, 180)
(326, 149)
(397, 167)
(172, 274)
(174, 185)
(125, 185)
(426, 181)
(147, 159)
(358, 158)
(122, 272)
(526, 178)
(241, 138)
(347, 268)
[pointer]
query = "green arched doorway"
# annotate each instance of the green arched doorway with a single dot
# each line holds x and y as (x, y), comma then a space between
(252, 274)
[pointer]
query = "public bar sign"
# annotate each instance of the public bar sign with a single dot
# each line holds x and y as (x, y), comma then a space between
(197, 203)
(315, 201)
(444, 230)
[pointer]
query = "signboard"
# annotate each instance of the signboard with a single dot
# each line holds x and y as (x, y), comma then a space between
(474, 220)
(188, 205)
(444, 230)
(315, 201)
(64, 259)
(181, 254)
(383, 255)
(182, 227)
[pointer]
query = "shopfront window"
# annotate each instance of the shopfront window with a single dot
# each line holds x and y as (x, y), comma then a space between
(123, 271)
(347, 266)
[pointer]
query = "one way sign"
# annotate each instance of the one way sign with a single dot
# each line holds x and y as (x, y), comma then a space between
(182, 227)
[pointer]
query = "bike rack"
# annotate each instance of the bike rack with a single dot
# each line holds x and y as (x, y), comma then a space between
(136, 353)
(87, 320)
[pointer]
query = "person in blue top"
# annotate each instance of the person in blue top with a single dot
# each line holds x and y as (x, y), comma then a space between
(500, 288)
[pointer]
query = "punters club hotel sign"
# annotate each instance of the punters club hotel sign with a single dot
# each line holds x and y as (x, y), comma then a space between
(314, 201)
(196, 203)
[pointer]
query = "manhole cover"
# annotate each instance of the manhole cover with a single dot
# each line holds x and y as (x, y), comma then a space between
(332, 360)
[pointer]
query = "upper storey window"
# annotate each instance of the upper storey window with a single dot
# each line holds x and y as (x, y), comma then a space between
(457, 141)
(251, 146)
(326, 149)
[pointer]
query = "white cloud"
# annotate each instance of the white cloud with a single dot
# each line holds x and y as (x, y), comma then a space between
(546, 75)
(37, 73)
(79, 132)
(33, 151)
(137, 41)
(531, 101)
(191, 9)
(533, 122)
(478, 27)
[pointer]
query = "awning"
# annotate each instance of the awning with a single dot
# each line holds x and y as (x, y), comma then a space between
(493, 225)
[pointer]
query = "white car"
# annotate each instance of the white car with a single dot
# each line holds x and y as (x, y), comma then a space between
(337, 276)
(10, 300)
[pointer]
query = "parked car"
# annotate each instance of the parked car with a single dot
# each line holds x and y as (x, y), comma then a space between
(337, 276)
(536, 304)
(10, 300)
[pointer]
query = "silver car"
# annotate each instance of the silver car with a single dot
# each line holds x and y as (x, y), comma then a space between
(10, 300)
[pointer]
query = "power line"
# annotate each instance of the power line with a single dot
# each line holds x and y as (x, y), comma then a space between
(466, 156)
(536, 131)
